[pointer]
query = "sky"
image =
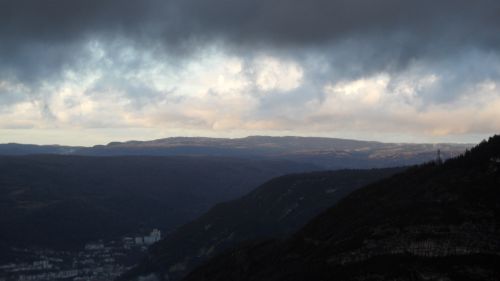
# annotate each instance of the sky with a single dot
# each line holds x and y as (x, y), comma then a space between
(86, 72)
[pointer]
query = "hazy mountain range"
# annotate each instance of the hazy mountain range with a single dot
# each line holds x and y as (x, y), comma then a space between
(327, 153)
(62, 196)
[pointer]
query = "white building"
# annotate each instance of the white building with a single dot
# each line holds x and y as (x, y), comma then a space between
(139, 241)
(153, 237)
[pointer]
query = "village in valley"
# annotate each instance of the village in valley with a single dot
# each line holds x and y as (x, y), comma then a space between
(97, 261)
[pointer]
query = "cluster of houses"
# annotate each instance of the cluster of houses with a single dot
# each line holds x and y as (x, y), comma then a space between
(98, 261)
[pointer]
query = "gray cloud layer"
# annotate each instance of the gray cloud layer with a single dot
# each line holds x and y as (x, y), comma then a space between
(41, 36)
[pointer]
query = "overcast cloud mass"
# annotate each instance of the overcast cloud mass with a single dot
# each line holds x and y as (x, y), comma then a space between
(93, 71)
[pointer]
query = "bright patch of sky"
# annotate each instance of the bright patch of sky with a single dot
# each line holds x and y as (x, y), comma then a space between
(121, 93)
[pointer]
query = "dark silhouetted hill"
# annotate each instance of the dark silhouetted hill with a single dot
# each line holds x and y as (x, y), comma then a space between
(431, 222)
(64, 201)
(275, 209)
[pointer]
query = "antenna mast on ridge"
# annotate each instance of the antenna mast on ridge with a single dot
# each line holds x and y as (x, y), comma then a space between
(439, 160)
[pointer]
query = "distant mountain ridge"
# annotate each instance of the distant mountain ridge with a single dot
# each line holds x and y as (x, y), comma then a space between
(432, 222)
(328, 153)
(13, 149)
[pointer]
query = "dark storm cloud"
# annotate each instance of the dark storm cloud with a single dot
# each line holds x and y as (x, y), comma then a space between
(40, 38)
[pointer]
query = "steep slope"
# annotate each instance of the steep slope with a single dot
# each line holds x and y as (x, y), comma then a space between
(433, 222)
(328, 153)
(277, 208)
(64, 201)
